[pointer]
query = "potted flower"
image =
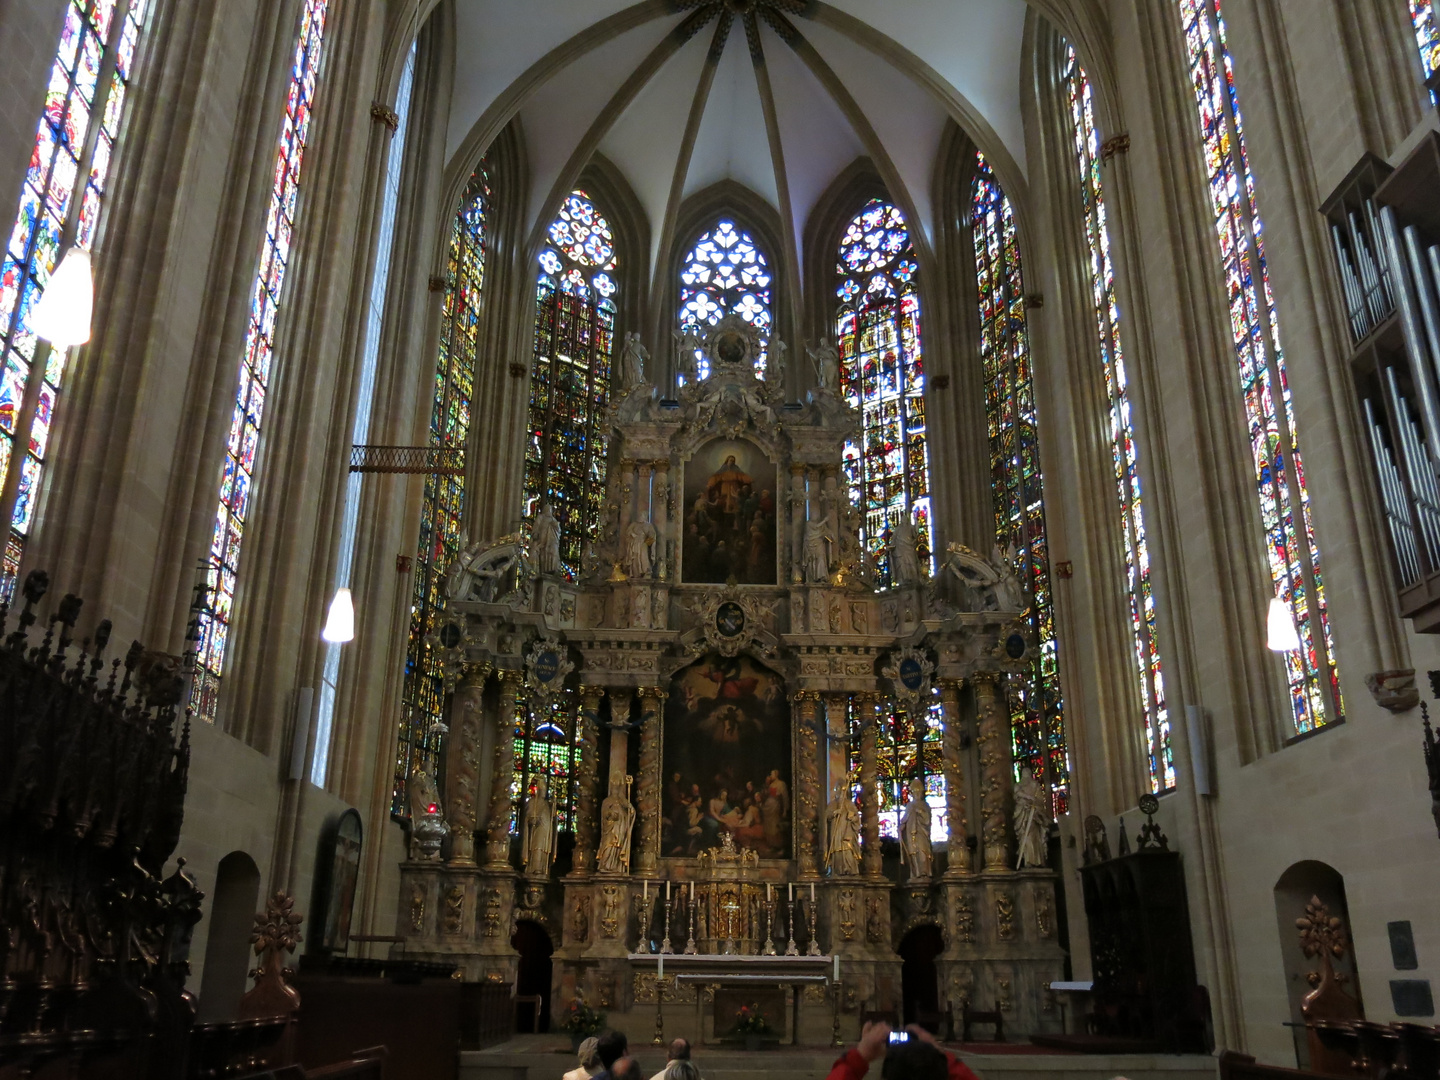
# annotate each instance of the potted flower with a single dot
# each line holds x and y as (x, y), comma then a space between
(581, 1021)
(751, 1025)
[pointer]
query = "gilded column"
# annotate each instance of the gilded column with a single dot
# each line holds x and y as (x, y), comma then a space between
(462, 761)
(497, 845)
(587, 731)
(995, 775)
(647, 800)
(807, 785)
(662, 518)
(959, 848)
(797, 526)
(869, 785)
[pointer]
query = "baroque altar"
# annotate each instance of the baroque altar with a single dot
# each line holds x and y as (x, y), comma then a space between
(715, 662)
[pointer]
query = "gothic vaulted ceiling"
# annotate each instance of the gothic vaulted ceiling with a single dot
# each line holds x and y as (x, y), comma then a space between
(777, 95)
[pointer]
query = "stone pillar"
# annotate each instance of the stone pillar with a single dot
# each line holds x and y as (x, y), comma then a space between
(807, 785)
(587, 726)
(647, 800)
(959, 848)
(661, 511)
(837, 745)
(462, 762)
(644, 509)
(995, 774)
(497, 844)
(797, 526)
(869, 793)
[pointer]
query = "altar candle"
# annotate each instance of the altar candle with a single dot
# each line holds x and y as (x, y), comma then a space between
(767, 892)
(646, 886)
(667, 890)
(837, 968)
(812, 892)
(660, 969)
(792, 892)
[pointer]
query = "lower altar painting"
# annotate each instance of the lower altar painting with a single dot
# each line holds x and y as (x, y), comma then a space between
(727, 758)
(729, 515)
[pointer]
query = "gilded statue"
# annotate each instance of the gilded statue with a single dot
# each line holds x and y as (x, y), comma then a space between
(545, 540)
(842, 835)
(915, 832)
(539, 850)
(1030, 822)
(617, 818)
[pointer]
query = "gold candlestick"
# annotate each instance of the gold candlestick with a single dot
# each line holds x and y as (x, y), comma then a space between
(659, 1039)
(791, 949)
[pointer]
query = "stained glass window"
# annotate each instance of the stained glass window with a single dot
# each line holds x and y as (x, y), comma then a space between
(565, 464)
(443, 506)
(1427, 36)
(882, 373)
(1017, 487)
(1123, 444)
(1294, 557)
(237, 474)
(907, 748)
(59, 207)
(725, 271)
(545, 745)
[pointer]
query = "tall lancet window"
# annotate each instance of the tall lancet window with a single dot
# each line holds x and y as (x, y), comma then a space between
(725, 271)
(443, 507)
(1294, 557)
(1427, 37)
(570, 380)
(1037, 717)
(882, 373)
(59, 207)
(237, 474)
(1123, 444)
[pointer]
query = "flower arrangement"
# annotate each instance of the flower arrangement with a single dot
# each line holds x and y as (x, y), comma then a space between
(581, 1020)
(751, 1021)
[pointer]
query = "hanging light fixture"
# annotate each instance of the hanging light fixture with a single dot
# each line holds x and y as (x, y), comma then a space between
(340, 623)
(1282, 636)
(62, 316)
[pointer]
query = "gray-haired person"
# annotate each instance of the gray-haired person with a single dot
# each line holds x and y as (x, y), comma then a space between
(589, 1055)
(679, 1054)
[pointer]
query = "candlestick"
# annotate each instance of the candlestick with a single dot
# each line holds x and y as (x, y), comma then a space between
(659, 1039)
(769, 949)
(814, 947)
(690, 944)
(835, 1024)
(665, 944)
(791, 949)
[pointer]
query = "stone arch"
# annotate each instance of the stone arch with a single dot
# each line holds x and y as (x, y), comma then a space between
(235, 899)
(1302, 885)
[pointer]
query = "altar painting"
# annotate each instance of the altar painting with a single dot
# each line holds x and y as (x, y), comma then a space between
(727, 758)
(729, 517)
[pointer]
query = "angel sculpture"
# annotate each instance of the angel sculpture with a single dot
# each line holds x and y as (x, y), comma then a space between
(1030, 823)
(826, 360)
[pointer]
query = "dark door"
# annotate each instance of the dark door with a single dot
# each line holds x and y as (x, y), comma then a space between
(918, 978)
(534, 946)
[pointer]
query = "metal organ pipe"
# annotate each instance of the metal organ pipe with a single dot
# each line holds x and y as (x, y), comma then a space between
(1420, 365)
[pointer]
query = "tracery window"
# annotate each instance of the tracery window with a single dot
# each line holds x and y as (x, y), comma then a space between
(565, 464)
(882, 373)
(1123, 444)
(237, 474)
(1427, 37)
(908, 748)
(726, 271)
(442, 509)
(1037, 719)
(1294, 557)
(545, 745)
(59, 207)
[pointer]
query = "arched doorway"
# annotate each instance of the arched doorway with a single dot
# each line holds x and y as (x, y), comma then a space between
(227, 942)
(533, 980)
(1305, 890)
(918, 976)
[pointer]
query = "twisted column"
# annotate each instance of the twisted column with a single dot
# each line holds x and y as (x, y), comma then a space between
(995, 774)
(869, 786)
(647, 800)
(587, 729)
(959, 857)
(497, 844)
(807, 786)
(462, 761)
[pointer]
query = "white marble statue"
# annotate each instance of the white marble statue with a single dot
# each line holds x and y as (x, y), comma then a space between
(687, 344)
(904, 557)
(539, 832)
(1031, 821)
(633, 359)
(639, 541)
(545, 541)
(842, 835)
(1009, 593)
(915, 832)
(818, 538)
(617, 818)
(775, 364)
(826, 359)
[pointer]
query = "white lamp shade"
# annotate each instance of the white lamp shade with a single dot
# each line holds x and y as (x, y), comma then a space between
(1283, 636)
(340, 623)
(63, 314)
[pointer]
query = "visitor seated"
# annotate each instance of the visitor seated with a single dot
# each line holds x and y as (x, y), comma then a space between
(679, 1054)
(917, 1058)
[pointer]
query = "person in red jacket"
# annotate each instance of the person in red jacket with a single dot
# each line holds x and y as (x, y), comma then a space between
(919, 1058)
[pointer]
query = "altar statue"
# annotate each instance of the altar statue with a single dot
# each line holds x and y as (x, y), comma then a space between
(826, 361)
(687, 344)
(545, 541)
(1009, 593)
(539, 849)
(842, 835)
(915, 832)
(819, 535)
(1030, 821)
(775, 365)
(632, 361)
(639, 539)
(617, 818)
(904, 558)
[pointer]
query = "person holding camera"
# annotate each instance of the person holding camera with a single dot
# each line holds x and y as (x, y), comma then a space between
(912, 1054)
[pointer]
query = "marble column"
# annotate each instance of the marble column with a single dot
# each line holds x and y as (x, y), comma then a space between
(995, 774)
(807, 784)
(497, 844)
(661, 512)
(462, 762)
(644, 509)
(797, 526)
(869, 785)
(954, 763)
(587, 728)
(647, 800)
